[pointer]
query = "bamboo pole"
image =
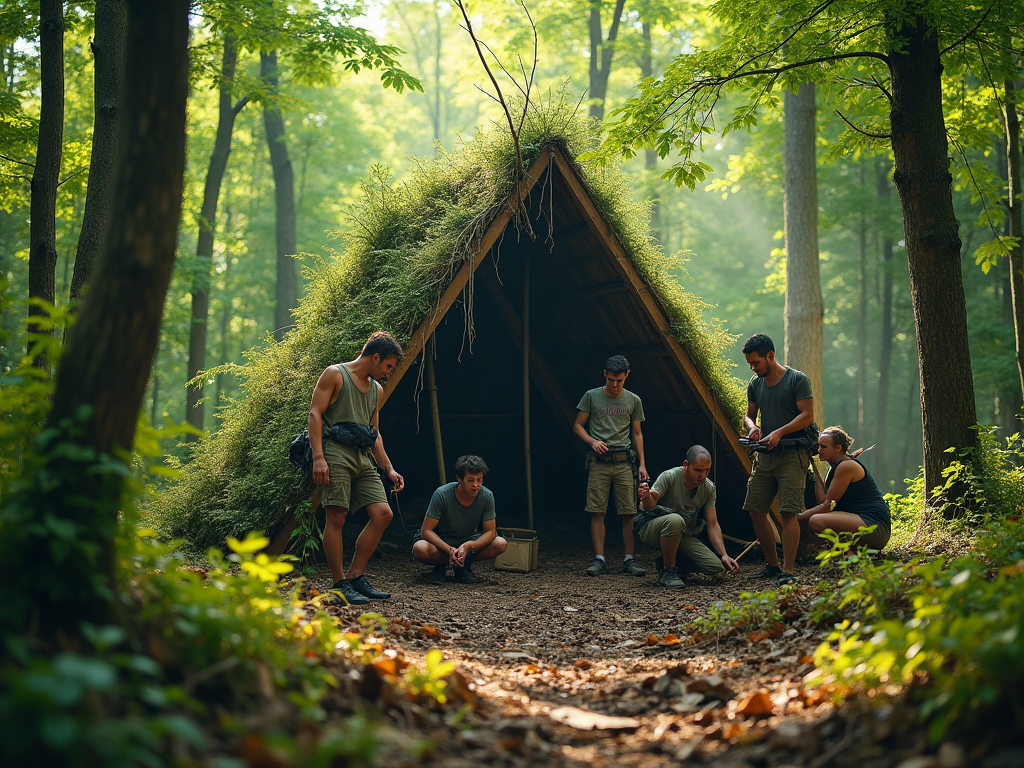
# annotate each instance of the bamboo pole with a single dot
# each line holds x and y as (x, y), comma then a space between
(526, 388)
(435, 413)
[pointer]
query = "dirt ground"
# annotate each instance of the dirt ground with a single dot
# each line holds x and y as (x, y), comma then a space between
(528, 645)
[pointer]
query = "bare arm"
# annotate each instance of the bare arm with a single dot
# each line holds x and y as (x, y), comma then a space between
(841, 480)
(328, 386)
(579, 428)
(638, 444)
(801, 420)
(429, 535)
(648, 497)
(819, 484)
(380, 455)
(750, 421)
(715, 537)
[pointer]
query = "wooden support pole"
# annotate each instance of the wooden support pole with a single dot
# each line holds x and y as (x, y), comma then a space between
(435, 413)
(526, 388)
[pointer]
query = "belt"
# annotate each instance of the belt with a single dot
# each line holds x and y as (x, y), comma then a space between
(612, 457)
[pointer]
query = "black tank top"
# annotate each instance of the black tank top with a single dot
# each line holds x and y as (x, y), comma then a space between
(862, 496)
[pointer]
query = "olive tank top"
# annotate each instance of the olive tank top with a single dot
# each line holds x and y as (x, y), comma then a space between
(352, 406)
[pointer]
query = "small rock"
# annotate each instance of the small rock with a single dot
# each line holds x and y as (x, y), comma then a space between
(789, 632)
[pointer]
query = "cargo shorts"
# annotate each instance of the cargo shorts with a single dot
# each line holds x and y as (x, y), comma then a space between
(692, 556)
(602, 479)
(354, 481)
(783, 472)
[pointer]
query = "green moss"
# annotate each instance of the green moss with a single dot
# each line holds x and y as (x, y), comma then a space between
(407, 241)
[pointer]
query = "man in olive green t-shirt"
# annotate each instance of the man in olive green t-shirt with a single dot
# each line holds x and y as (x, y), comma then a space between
(670, 520)
(608, 421)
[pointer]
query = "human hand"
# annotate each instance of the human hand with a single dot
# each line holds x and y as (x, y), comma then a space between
(731, 565)
(644, 490)
(754, 434)
(397, 479)
(643, 473)
(599, 447)
(773, 439)
(458, 556)
(321, 472)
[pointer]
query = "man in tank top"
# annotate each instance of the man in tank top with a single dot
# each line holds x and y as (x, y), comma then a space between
(349, 393)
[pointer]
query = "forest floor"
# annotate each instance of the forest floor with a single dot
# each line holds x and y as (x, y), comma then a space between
(528, 646)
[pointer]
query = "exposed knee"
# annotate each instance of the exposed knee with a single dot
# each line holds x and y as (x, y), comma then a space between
(380, 513)
(499, 544)
(816, 524)
(424, 551)
(335, 516)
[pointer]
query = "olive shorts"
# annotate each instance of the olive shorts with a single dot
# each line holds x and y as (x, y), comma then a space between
(602, 479)
(694, 556)
(782, 472)
(354, 481)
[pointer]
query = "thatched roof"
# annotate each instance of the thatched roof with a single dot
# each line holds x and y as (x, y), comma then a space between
(408, 257)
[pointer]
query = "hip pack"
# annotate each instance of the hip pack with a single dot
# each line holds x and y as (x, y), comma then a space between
(361, 436)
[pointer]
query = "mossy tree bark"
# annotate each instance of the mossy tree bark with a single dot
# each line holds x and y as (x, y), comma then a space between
(601, 53)
(42, 259)
(207, 229)
(924, 184)
(284, 196)
(108, 56)
(1013, 217)
(101, 379)
(804, 308)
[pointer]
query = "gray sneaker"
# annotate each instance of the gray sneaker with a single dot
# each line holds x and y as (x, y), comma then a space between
(596, 567)
(785, 578)
(670, 579)
(632, 567)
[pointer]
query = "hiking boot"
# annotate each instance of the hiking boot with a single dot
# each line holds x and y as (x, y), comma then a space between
(784, 579)
(659, 563)
(363, 587)
(465, 575)
(670, 579)
(349, 593)
(633, 568)
(768, 572)
(596, 567)
(438, 573)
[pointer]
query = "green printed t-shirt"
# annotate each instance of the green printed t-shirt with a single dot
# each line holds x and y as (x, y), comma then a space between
(458, 522)
(611, 417)
(778, 404)
(673, 494)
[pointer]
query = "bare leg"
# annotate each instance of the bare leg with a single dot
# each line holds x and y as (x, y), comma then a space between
(836, 521)
(669, 547)
(790, 541)
(766, 536)
(380, 515)
(333, 548)
(597, 532)
(627, 534)
(492, 550)
(427, 553)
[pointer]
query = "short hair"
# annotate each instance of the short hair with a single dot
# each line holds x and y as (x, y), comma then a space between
(470, 465)
(697, 452)
(759, 343)
(616, 364)
(382, 343)
(840, 437)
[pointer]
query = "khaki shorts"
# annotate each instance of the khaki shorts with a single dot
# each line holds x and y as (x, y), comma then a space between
(602, 478)
(692, 556)
(782, 472)
(354, 481)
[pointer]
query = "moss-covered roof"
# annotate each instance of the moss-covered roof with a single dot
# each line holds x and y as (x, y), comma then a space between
(406, 242)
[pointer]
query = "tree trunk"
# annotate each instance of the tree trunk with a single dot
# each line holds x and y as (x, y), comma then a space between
(885, 349)
(101, 379)
(284, 194)
(42, 259)
(650, 155)
(862, 316)
(108, 54)
(601, 52)
(1013, 218)
(207, 228)
(933, 248)
(804, 308)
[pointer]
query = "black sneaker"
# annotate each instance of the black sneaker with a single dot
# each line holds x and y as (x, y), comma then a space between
(768, 572)
(349, 594)
(670, 579)
(438, 573)
(363, 587)
(597, 567)
(659, 563)
(784, 579)
(465, 575)
(632, 567)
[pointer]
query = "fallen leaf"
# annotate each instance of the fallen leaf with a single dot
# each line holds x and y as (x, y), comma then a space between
(670, 640)
(531, 669)
(428, 630)
(582, 664)
(806, 660)
(689, 607)
(585, 720)
(756, 705)
(652, 640)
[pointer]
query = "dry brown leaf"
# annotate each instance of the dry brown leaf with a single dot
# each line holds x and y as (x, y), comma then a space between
(806, 660)
(670, 640)
(756, 705)
(428, 630)
(689, 607)
(531, 669)
(652, 640)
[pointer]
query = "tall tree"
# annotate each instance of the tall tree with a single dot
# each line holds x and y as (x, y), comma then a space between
(650, 156)
(102, 375)
(900, 47)
(284, 196)
(601, 52)
(42, 260)
(108, 53)
(886, 332)
(226, 114)
(1013, 219)
(804, 309)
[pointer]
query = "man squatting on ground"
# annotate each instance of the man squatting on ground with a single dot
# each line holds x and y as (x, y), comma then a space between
(349, 394)
(670, 521)
(783, 396)
(614, 415)
(459, 526)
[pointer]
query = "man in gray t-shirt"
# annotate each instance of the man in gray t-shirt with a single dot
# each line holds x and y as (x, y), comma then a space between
(784, 399)
(608, 421)
(459, 526)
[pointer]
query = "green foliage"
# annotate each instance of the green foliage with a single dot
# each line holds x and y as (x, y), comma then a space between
(754, 612)
(406, 243)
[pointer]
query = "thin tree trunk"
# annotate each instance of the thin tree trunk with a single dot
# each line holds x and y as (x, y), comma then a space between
(435, 116)
(101, 380)
(650, 155)
(284, 194)
(225, 319)
(207, 229)
(933, 248)
(601, 52)
(862, 315)
(42, 259)
(1013, 206)
(108, 53)
(885, 348)
(804, 308)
